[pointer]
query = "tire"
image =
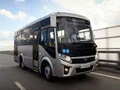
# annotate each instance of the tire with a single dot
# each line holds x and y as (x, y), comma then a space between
(21, 64)
(47, 72)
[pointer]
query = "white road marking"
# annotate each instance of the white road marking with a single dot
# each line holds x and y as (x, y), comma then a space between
(5, 65)
(19, 85)
(105, 75)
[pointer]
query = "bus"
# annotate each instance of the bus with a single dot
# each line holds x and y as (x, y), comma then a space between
(60, 44)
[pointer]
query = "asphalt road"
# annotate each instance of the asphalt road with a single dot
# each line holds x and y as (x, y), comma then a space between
(14, 78)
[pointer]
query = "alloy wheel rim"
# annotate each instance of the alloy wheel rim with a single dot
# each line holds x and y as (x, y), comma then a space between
(47, 71)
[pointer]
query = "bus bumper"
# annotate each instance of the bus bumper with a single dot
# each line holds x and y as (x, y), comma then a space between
(76, 69)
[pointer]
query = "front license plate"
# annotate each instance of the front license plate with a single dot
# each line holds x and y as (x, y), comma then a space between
(85, 66)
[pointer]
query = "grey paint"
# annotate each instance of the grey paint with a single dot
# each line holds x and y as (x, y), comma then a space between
(56, 64)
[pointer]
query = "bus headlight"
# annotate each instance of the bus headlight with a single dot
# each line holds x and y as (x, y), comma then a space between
(67, 58)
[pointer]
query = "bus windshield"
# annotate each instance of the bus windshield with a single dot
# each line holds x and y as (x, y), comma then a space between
(73, 30)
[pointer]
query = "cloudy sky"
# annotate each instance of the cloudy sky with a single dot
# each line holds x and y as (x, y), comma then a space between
(15, 14)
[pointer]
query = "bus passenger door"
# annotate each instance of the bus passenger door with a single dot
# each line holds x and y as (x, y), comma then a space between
(48, 42)
(35, 50)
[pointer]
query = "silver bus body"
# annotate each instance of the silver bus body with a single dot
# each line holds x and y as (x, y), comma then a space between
(34, 54)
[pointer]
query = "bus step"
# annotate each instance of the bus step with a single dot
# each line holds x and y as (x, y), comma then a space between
(35, 69)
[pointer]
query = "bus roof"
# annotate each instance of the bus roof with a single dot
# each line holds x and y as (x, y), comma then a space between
(56, 14)
(60, 14)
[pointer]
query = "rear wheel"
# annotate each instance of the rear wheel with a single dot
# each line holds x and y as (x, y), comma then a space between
(21, 64)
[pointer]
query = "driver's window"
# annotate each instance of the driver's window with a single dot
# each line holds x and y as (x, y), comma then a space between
(48, 41)
(51, 38)
(47, 37)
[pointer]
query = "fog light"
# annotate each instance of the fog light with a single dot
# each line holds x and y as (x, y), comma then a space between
(66, 69)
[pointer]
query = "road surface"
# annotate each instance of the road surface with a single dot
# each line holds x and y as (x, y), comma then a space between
(14, 78)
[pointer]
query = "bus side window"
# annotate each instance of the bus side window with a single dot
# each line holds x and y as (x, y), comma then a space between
(27, 38)
(48, 38)
(51, 38)
(48, 41)
(44, 37)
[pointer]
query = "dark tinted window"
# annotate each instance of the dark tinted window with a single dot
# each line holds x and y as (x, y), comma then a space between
(47, 41)
(47, 37)
(73, 30)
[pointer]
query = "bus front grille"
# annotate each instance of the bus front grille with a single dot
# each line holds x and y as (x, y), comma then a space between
(78, 70)
(83, 60)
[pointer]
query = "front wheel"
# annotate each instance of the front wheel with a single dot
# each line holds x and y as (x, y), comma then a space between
(48, 72)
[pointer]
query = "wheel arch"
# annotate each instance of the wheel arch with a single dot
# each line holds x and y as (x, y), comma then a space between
(45, 60)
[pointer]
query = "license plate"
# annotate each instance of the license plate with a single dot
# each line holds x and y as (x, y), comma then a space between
(85, 66)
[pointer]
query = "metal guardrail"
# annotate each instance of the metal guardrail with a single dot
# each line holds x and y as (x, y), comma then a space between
(107, 48)
(110, 61)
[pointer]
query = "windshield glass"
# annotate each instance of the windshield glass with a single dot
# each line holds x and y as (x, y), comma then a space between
(72, 30)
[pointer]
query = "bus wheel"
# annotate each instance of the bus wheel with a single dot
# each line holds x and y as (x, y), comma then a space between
(48, 72)
(21, 64)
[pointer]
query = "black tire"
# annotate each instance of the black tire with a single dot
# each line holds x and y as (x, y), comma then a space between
(21, 64)
(47, 72)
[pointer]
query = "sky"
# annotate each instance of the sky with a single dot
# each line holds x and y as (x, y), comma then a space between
(15, 14)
